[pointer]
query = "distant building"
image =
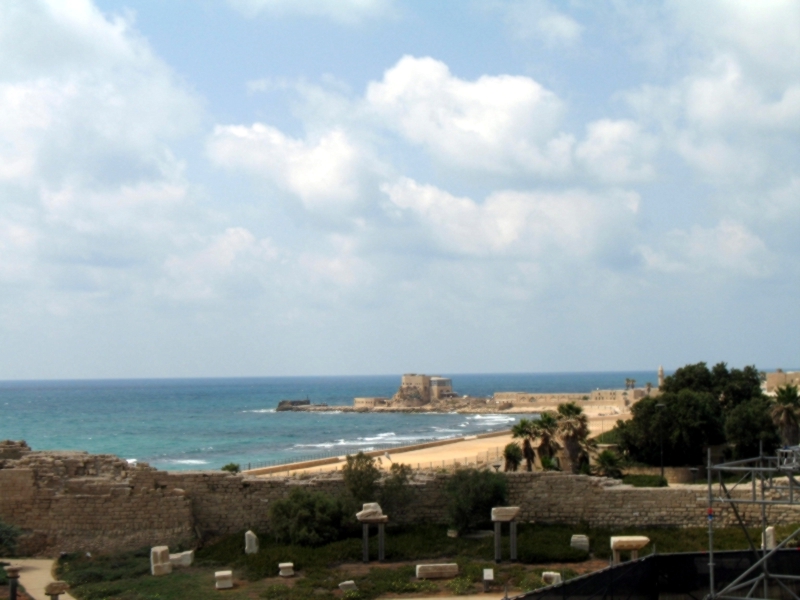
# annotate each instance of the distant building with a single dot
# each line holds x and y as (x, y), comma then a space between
(441, 387)
(780, 379)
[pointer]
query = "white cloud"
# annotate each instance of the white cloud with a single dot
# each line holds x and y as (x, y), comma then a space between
(538, 20)
(617, 151)
(343, 11)
(732, 108)
(728, 248)
(559, 226)
(97, 104)
(496, 123)
(323, 172)
(17, 251)
(92, 189)
(227, 262)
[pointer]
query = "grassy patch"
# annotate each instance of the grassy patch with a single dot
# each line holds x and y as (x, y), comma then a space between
(608, 437)
(3, 576)
(645, 480)
(320, 570)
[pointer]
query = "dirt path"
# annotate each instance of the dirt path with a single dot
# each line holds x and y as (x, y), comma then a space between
(34, 575)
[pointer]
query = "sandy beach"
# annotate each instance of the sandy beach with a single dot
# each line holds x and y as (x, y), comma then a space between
(469, 450)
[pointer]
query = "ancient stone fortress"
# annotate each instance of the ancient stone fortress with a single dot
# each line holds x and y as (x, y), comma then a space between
(74, 501)
(433, 393)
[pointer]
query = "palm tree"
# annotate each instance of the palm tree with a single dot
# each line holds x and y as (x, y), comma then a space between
(526, 431)
(785, 414)
(573, 428)
(513, 456)
(546, 429)
(607, 464)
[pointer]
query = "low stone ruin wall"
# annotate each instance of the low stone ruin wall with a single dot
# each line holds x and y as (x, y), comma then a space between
(99, 503)
(72, 501)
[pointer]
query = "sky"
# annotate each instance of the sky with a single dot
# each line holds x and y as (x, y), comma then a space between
(212, 188)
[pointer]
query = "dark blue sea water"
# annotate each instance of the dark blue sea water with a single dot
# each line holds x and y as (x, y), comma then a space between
(206, 423)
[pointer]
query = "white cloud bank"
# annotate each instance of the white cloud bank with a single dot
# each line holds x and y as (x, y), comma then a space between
(322, 172)
(498, 123)
(427, 206)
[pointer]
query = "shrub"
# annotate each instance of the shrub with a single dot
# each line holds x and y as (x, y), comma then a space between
(306, 518)
(395, 493)
(361, 477)
(549, 464)
(232, 468)
(512, 454)
(460, 586)
(8, 539)
(645, 480)
(471, 496)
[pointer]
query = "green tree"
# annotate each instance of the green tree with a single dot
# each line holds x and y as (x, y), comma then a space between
(306, 518)
(785, 414)
(687, 422)
(750, 424)
(512, 454)
(471, 496)
(526, 431)
(361, 477)
(546, 431)
(232, 468)
(729, 387)
(695, 377)
(573, 428)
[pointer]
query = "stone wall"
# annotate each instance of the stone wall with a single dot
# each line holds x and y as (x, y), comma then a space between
(69, 501)
(80, 502)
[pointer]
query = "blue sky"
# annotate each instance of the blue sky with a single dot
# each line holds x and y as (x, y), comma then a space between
(284, 187)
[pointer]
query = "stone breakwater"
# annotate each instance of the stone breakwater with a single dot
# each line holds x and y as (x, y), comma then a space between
(73, 501)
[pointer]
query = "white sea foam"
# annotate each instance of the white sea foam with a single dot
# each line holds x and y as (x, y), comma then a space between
(189, 461)
(131, 461)
(260, 410)
(492, 419)
(368, 442)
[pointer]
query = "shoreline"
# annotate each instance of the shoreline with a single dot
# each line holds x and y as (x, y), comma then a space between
(604, 410)
(465, 450)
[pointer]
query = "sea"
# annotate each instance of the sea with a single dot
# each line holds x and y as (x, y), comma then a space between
(190, 424)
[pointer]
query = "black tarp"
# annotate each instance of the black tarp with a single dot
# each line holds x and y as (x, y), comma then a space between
(672, 577)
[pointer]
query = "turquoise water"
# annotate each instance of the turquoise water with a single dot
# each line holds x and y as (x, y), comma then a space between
(205, 423)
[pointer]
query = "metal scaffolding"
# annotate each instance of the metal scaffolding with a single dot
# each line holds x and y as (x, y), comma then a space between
(762, 481)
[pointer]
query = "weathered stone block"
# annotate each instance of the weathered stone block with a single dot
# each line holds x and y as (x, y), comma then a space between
(437, 571)
(250, 543)
(286, 569)
(370, 513)
(505, 513)
(56, 588)
(182, 559)
(224, 580)
(579, 542)
(348, 586)
(551, 577)
(159, 560)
